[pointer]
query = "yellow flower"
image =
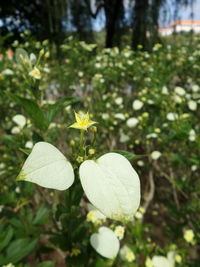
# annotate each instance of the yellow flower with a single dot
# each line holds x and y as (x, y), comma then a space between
(75, 252)
(189, 236)
(148, 262)
(35, 73)
(178, 258)
(83, 122)
(130, 256)
(119, 231)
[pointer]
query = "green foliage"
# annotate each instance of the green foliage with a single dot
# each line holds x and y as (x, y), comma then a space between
(42, 227)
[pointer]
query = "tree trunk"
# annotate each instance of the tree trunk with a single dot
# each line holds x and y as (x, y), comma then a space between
(140, 24)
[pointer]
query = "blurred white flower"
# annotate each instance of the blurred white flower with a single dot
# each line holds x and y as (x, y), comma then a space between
(137, 104)
(161, 261)
(29, 144)
(192, 105)
(152, 135)
(7, 72)
(105, 242)
(119, 100)
(172, 116)
(155, 155)
(119, 116)
(195, 88)
(15, 130)
(124, 138)
(165, 90)
(132, 122)
(192, 135)
(179, 91)
(20, 120)
(140, 163)
(105, 116)
(194, 168)
(35, 73)
(127, 254)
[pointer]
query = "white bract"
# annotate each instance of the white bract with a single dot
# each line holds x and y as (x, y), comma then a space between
(168, 261)
(112, 185)
(132, 122)
(105, 242)
(47, 167)
(137, 104)
(20, 120)
(192, 105)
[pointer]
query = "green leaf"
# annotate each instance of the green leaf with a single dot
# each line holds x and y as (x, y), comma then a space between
(52, 110)
(41, 215)
(46, 264)
(26, 151)
(33, 111)
(18, 249)
(5, 237)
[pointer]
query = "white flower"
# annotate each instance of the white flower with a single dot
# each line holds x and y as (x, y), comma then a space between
(194, 168)
(7, 72)
(161, 261)
(195, 88)
(105, 242)
(119, 116)
(20, 120)
(172, 116)
(192, 105)
(29, 144)
(15, 130)
(124, 138)
(35, 73)
(127, 254)
(155, 155)
(165, 90)
(140, 163)
(179, 91)
(152, 135)
(137, 104)
(132, 122)
(119, 100)
(105, 116)
(192, 135)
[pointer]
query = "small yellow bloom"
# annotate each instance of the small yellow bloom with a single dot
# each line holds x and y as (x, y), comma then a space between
(148, 262)
(83, 122)
(178, 258)
(119, 231)
(189, 236)
(75, 252)
(35, 73)
(130, 256)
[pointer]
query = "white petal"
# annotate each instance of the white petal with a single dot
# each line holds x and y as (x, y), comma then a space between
(47, 167)
(111, 185)
(105, 243)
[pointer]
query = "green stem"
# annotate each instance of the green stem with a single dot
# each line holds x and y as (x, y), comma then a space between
(81, 148)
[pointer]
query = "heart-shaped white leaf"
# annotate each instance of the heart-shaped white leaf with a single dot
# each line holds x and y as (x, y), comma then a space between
(105, 242)
(47, 167)
(111, 185)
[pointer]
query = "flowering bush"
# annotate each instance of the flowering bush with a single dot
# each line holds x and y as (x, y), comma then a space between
(146, 106)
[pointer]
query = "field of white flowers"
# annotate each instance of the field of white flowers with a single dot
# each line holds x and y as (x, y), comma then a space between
(119, 129)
